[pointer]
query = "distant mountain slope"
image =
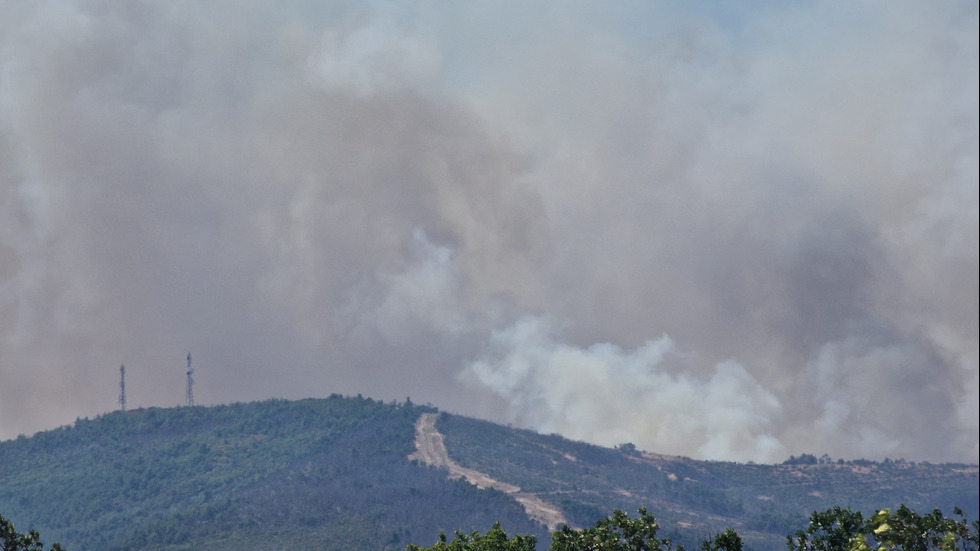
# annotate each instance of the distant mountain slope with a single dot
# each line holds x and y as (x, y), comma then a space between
(312, 474)
(764, 503)
(336, 474)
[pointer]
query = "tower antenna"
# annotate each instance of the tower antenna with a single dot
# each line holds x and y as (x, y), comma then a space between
(122, 388)
(190, 382)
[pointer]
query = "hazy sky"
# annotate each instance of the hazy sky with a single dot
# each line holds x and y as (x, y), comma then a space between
(729, 230)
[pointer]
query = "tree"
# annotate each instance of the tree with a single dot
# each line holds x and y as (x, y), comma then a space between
(837, 529)
(908, 531)
(618, 532)
(494, 540)
(11, 540)
(729, 540)
(840, 529)
(831, 530)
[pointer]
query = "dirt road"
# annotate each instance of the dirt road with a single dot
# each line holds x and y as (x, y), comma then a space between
(431, 450)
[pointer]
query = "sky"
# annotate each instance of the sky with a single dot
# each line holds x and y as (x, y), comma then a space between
(727, 230)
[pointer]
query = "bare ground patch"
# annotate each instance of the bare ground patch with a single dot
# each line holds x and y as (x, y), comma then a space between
(430, 448)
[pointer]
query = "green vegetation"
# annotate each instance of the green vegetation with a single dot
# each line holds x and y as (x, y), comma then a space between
(837, 529)
(11, 540)
(494, 540)
(334, 474)
(328, 474)
(844, 529)
(763, 503)
(619, 532)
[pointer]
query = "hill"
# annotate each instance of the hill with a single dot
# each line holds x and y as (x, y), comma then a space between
(328, 474)
(336, 473)
(690, 498)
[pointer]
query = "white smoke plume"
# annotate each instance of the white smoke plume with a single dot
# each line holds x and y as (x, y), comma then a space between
(498, 207)
(610, 396)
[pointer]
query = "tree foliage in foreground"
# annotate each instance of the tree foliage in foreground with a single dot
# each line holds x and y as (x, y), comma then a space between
(837, 529)
(903, 530)
(11, 540)
(494, 540)
(618, 531)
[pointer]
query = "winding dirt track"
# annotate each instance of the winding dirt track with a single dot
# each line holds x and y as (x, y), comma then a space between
(431, 450)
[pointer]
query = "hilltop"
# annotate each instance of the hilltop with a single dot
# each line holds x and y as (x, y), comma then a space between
(347, 473)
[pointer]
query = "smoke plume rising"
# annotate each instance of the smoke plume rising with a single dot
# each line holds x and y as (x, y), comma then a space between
(731, 232)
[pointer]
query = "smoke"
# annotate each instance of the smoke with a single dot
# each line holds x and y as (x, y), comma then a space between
(499, 208)
(647, 396)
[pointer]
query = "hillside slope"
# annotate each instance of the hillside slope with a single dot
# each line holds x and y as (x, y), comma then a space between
(347, 473)
(690, 498)
(431, 450)
(328, 474)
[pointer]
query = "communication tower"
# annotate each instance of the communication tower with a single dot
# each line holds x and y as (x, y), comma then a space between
(190, 382)
(122, 388)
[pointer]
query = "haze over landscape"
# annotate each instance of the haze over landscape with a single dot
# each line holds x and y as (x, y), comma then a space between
(733, 231)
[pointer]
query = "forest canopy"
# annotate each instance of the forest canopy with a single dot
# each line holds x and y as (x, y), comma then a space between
(837, 529)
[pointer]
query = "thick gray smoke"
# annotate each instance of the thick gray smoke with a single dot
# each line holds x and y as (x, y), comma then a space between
(731, 232)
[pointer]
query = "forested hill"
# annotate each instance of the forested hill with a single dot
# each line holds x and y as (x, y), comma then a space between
(328, 474)
(335, 474)
(692, 499)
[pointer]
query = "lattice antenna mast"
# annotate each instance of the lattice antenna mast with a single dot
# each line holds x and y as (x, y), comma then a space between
(190, 382)
(122, 388)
